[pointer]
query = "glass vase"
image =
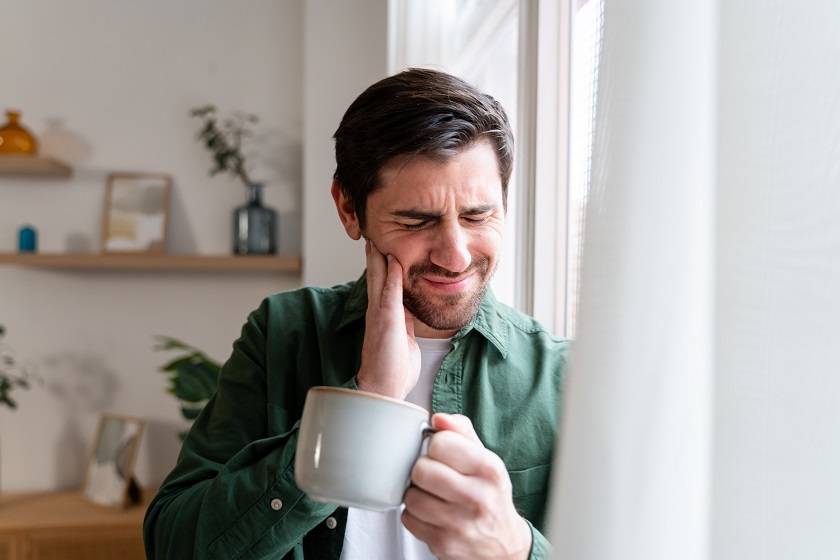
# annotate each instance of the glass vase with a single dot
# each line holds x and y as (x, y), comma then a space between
(254, 225)
(15, 138)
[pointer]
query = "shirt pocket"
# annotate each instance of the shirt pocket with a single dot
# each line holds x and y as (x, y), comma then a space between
(530, 492)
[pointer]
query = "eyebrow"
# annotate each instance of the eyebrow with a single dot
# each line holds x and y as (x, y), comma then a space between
(425, 215)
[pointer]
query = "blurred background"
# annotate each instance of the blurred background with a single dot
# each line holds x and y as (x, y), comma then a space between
(106, 87)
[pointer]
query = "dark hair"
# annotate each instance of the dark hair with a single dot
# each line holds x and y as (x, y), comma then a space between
(416, 112)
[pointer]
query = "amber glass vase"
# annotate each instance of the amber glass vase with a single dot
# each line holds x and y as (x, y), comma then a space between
(15, 138)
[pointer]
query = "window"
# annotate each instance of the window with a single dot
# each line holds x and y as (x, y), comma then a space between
(587, 30)
(476, 40)
(552, 47)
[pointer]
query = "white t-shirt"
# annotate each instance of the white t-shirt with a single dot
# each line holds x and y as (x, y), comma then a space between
(373, 535)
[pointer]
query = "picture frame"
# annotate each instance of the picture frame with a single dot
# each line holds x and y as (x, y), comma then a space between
(135, 217)
(109, 476)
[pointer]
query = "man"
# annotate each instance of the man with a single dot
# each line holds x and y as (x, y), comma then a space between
(423, 163)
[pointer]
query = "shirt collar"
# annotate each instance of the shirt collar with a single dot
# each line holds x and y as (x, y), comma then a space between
(488, 321)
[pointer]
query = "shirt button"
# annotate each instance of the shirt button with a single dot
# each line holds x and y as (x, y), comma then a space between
(331, 523)
(276, 504)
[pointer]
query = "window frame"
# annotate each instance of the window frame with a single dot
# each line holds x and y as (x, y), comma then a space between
(540, 204)
(543, 156)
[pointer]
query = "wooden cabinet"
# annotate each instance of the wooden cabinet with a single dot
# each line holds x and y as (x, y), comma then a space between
(65, 526)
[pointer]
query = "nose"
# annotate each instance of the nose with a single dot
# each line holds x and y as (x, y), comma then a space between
(451, 248)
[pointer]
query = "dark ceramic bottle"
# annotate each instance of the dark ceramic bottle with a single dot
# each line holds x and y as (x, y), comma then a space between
(254, 225)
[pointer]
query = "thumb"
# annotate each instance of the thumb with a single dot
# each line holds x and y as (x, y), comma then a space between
(456, 423)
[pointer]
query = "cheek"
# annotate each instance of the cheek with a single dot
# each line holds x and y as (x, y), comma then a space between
(412, 248)
(487, 243)
(407, 248)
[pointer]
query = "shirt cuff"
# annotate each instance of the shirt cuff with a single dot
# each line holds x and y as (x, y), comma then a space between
(540, 547)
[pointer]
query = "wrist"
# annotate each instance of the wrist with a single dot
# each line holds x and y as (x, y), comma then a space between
(384, 389)
(523, 552)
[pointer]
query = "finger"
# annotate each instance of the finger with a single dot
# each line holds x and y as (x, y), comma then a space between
(429, 534)
(392, 296)
(376, 273)
(430, 509)
(447, 484)
(458, 452)
(457, 423)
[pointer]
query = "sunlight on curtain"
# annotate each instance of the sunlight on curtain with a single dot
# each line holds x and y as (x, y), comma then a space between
(587, 29)
(632, 478)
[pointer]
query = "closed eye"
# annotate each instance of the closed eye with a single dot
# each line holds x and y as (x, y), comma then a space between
(415, 225)
(477, 219)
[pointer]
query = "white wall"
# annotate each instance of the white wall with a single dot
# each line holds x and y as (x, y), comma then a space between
(777, 492)
(346, 50)
(107, 86)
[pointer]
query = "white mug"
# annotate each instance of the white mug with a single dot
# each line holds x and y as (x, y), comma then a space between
(357, 449)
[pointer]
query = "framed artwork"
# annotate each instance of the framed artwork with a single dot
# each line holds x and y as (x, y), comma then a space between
(136, 214)
(109, 479)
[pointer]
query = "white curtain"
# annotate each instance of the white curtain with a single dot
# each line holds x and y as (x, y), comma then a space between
(700, 417)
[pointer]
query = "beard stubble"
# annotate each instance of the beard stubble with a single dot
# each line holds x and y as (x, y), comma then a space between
(451, 311)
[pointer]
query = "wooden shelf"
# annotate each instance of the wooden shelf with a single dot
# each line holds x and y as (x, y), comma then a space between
(33, 166)
(193, 263)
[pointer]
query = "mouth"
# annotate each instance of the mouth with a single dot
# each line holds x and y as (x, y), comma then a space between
(448, 285)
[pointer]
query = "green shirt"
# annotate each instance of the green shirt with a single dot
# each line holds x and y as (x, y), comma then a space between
(232, 493)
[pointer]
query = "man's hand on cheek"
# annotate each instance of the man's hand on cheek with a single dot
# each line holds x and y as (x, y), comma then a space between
(460, 502)
(390, 355)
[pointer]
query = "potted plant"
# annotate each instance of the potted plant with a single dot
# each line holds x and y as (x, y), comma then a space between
(193, 376)
(254, 225)
(10, 379)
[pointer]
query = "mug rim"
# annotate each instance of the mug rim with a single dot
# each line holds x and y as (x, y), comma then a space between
(368, 394)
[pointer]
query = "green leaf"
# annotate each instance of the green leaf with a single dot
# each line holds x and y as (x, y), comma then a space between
(196, 382)
(180, 362)
(186, 389)
(7, 400)
(221, 160)
(193, 376)
(191, 413)
(170, 343)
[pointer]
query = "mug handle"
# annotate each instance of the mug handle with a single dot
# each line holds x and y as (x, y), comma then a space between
(427, 432)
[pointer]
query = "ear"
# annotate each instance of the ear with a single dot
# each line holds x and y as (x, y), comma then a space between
(346, 211)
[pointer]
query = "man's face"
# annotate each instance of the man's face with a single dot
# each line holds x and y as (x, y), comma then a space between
(443, 222)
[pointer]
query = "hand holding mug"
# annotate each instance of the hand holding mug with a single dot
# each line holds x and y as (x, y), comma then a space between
(390, 364)
(460, 502)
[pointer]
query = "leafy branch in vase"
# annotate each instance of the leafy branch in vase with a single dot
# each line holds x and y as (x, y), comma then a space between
(10, 379)
(224, 140)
